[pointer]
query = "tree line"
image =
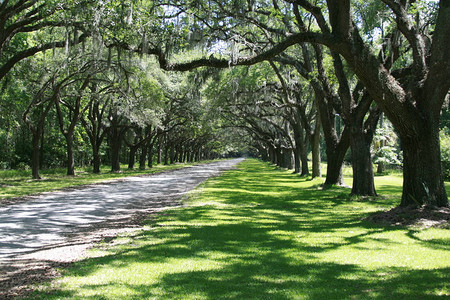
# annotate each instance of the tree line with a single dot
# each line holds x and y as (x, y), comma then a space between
(83, 101)
(287, 77)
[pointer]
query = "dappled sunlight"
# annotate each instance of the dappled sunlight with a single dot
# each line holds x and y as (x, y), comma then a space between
(17, 183)
(48, 219)
(287, 240)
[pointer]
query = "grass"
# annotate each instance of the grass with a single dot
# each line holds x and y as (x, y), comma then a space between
(18, 183)
(258, 232)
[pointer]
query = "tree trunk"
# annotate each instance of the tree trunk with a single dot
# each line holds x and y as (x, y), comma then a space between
(412, 103)
(180, 155)
(70, 156)
(116, 145)
(143, 157)
(200, 154)
(115, 157)
(158, 160)
(41, 153)
(35, 159)
(335, 158)
(380, 167)
(304, 159)
(287, 158)
(362, 132)
(96, 158)
(150, 156)
(303, 151)
(296, 160)
(422, 171)
(132, 157)
(279, 156)
(166, 155)
(264, 154)
(363, 182)
(184, 155)
(188, 156)
(298, 141)
(272, 156)
(334, 169)
(316, 160)
(336, 146)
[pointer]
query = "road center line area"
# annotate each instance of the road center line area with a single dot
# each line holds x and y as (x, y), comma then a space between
(50, 219)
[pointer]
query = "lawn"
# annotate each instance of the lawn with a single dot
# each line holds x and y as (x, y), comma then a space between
(258, 232)
(18, 183)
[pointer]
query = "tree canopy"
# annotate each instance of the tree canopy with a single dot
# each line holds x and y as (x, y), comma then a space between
(291, 81)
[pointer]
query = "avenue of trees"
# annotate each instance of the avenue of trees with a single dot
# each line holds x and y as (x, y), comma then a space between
(295, 82)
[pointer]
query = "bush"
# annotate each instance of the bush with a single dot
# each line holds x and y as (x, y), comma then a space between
(22, 166)
(388, 156)
(445, 151)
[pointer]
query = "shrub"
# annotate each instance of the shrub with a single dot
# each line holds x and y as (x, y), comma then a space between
(22, 166)
(445, 151)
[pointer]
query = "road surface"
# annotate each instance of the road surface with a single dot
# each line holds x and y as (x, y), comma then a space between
(49, 219)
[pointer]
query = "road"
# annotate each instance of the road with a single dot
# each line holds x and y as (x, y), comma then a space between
(49, 219)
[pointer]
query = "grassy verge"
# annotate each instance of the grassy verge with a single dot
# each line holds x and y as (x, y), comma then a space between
(17, 183)
(262, 233)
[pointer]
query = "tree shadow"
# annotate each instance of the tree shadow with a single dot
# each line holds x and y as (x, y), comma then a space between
(255, 240)
(251, 264)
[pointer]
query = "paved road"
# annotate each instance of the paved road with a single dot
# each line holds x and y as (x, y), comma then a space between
(48, 219)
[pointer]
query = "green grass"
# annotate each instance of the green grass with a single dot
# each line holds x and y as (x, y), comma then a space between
(18, 183)
(263, 233)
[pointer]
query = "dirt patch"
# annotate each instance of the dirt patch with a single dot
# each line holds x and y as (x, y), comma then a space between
(423, 217)
(21, 274)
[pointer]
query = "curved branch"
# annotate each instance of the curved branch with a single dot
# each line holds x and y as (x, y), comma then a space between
(409, 31)
(10, 63)
(312, 37)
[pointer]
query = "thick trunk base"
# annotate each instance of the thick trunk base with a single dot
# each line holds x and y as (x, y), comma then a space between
(334, 170)
(363, 181)
(96, 162)
(423, 179)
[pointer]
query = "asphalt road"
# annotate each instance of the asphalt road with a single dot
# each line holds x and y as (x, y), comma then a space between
(49, 219)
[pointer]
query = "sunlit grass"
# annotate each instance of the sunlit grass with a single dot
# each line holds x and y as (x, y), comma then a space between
(263, 233)
(18, 183)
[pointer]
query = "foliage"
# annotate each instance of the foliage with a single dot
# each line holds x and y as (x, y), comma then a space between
(444, 135)
(386, 148)
(387, 155)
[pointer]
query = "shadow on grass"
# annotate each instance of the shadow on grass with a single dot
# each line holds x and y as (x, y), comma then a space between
(258, 233)
(274, 278)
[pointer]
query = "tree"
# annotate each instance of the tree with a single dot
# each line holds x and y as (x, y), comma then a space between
(71, 100)
(249, 98)
(21, 19)
(35, 115)
(386, 146)
(95, 125)
(410, 97)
